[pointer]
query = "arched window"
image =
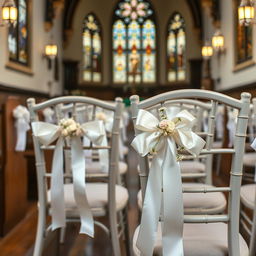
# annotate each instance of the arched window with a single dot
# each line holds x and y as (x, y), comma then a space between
(176, 49)
(134, 43)
(244, 41)
(92, 49)
(18, 44)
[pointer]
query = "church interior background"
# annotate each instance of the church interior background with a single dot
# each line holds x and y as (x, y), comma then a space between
(107, 49)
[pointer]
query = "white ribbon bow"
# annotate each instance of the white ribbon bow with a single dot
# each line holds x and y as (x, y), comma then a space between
(48, 133)
(220, 122)
(48, 115)
(21, 114)
(231, 125)
(108, 120)
(164, 185)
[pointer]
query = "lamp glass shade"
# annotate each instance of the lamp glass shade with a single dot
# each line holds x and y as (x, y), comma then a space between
(51, 50)
(9, 14)
(245, 14)
(207, 51)
(218, 41)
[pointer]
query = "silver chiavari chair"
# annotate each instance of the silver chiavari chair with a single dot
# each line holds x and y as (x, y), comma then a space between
(203, 234)
(104, 199)
(248, 192)
(249, 159)
(191, 170)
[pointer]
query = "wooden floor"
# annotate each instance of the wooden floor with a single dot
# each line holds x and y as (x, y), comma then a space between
(20, 241)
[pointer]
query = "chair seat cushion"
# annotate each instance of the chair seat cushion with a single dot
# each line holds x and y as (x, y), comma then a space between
(249, 159)
(200, 240)
(199, 203)
(95, 167)
(192, 166)
(248, 195)
(97, 194)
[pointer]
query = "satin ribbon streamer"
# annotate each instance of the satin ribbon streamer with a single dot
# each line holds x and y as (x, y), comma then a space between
(253, 145)
(108, 120)
(164, 185)
(21, 114)
(48, 133)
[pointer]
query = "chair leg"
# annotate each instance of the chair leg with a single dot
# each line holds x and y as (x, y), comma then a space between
(253, 234)
(114, 234)
(40, 239)
(62, 235)
(126, 232)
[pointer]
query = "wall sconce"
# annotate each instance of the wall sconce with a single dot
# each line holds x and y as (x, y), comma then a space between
(50, 52)
(207, 51)
(246, 12)
(218, 42)
(9, 12)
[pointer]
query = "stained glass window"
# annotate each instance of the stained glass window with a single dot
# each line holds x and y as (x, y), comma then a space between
(176, 49)
(134, 47)
(18, 35)
(91, 49)
(243, 41)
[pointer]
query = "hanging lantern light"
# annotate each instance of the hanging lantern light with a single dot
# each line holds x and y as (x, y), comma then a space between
(218, 41)
(246, 12)
(9, 12)
(51, 51)
(207, 51)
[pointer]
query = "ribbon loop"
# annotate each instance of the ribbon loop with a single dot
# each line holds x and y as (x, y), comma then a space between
(164, 186)
(48, 133)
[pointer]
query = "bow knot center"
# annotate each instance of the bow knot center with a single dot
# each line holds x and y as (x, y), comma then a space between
(69, 128)
(168, 127)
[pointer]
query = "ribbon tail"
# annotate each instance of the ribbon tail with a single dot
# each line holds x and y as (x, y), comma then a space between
(21, 131)
(57, 188)
(78, 169)
(172, 226)
(151, 208)
(104, 155)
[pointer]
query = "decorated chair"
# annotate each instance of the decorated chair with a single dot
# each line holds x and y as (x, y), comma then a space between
(78, 200)
(164, 228)
(248, 195)
(85, 113)
(248, 191)
(249, 159)
(196, 203)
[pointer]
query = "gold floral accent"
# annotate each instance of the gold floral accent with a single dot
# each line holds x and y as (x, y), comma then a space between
(179, 157)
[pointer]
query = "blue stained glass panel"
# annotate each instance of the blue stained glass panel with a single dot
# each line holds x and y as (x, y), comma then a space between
(176, 49)
(148, 34)
(134, 36)
(18, 35)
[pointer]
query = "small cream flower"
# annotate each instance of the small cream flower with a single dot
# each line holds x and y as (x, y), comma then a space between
(69, 127)
(72, 127)
(163, 124)
(64, 133)
(171, 127)
(101, 116)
